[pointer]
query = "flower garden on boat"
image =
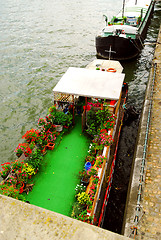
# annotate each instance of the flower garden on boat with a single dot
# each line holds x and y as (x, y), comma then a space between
(100, 123)
(17, 175)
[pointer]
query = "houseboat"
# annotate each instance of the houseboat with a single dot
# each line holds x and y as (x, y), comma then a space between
(123, 36)
(67, 164)
(100, 87)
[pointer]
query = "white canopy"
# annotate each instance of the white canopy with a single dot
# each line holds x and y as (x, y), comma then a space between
(90, 83)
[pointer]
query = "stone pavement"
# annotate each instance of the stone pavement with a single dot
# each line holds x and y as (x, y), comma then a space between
(149, 221)
(149, 226)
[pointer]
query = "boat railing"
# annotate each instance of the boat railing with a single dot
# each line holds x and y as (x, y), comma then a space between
(144, 22)
(101, 179)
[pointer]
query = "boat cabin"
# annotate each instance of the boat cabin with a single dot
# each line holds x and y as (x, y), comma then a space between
(101, 81)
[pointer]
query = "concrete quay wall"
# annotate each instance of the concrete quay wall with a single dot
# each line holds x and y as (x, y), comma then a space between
(143, 210)
(23, 221)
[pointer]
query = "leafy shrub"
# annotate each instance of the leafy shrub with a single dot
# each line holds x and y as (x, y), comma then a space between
(35, 159)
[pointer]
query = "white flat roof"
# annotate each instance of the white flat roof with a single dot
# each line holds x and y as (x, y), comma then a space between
(91, 83)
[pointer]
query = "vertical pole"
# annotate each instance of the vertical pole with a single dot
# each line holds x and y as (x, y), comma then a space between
(73, 110)
(85, 107)
(123, 8)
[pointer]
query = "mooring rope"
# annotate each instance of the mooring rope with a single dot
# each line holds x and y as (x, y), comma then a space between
(141, 180)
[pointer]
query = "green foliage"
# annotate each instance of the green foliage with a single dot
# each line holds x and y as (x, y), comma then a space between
(77, 209)
(59, 117)
(90, 158)
(99, 160)
(92, 172)
(52, 109)
(35, 159)
(84, 175)
(96, 120)
(6, 167)
(11, 191)
(84, 217)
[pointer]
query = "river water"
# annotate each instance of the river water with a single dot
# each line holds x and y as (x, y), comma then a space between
(39, 40)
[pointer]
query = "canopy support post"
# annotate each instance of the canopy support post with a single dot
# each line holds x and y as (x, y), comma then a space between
(73, 110)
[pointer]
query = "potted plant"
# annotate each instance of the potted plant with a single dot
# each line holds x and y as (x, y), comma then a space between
(11, 191)
(23, 148)
(91, 159)
(50, 145)
(6, 168)
(77, 209)
(93, 172)
(84, 177)
(99, 160)
(31, 136)
(83, 198)
(35, 159)
(59, 117)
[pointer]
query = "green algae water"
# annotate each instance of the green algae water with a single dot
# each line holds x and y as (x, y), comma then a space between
(55, 184)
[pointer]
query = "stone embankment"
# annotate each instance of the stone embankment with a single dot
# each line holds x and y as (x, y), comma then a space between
(143, 212)
(23, 221)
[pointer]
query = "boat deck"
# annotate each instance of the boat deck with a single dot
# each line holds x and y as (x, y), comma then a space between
(55, 184)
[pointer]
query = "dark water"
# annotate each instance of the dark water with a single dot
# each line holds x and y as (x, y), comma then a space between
(39, 40)
(137, 85)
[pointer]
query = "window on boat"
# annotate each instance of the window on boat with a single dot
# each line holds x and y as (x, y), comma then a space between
(132, 21)
(118, 31)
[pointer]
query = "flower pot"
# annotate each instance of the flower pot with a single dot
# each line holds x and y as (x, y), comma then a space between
(85, 181)
(50, 146)
(18, 154)
(88, 210)
(88, 166)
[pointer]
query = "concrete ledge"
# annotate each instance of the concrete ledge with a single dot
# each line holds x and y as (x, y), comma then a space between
(19, 221)
(133, 197)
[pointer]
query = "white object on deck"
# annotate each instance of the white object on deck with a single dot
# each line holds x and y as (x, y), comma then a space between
(88, 83)
(105, 64)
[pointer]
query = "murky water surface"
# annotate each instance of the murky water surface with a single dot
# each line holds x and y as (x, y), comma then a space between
(39, 40)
